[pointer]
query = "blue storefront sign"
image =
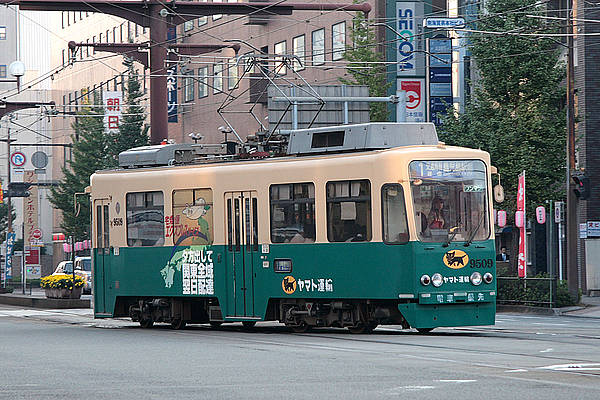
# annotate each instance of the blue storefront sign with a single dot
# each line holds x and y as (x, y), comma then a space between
(10, 243)
(172, 84)
(440, 74)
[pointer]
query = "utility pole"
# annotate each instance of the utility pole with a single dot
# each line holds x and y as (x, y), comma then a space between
(572, 200)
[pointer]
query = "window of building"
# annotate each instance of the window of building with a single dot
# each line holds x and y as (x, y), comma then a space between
(99, 39)
(107, 31)
(188, 26)
(232, 74)
(280, 48)
(137, 31)
(63, 56)
(217, 16)
(338, 40)
(3, 71)
(62, 19)
(121, 33)
(217, 78)
(74, 18)
(202, 82)
(145, 219)
(293, 213)
(349, 211)
(203, 20)
(299, 50)
(87, 49)
(188, 87)
(318, 47)
(393, 214)
(192, 220)
(129, 32)
(115, 34)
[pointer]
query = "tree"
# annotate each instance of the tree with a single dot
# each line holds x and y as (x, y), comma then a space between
(4, 219)
(89, 155)
(132, 130)
(363, 67)
(517, 111)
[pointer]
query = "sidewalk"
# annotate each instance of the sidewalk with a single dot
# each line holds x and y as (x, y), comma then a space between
(37, 299)
(590, 308)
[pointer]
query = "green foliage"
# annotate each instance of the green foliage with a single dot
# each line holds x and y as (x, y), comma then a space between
(517, 112)
(4, 218)
(89, 155)
(363, 56)
(533, 292)
(132, 130)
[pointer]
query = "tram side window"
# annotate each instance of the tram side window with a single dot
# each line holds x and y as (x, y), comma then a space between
(293, 213)
(192, 219)
(393, 212)
(145, 219)
(349, 211)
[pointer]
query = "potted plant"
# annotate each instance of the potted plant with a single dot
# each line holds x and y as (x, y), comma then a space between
(61, 286)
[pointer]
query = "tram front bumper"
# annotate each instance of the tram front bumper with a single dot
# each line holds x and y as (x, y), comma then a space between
(451, 309)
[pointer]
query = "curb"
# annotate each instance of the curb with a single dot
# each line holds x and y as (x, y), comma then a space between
(503, 308)
(42, 302)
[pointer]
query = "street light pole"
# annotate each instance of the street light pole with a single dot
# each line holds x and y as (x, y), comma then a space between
(572, 220)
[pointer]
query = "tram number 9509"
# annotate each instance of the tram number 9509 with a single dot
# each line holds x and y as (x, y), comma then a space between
(481, 263)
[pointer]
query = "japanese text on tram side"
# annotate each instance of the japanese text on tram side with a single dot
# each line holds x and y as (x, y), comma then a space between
(197, 270)
(315, 285)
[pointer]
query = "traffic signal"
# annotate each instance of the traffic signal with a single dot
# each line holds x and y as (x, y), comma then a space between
(18, 189)
(581, 186)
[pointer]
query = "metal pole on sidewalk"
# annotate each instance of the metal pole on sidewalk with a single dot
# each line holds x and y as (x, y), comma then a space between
(23, 269)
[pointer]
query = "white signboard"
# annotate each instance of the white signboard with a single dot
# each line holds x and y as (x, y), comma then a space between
(448, 23)
(583, 231)
(410, 57)
(415, 98)
(593, 228)
(113, 102)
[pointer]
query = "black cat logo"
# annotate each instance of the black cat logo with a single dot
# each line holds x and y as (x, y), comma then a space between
(456, 259)
(288, 284)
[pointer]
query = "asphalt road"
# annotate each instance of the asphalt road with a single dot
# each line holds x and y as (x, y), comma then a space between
(64, 354)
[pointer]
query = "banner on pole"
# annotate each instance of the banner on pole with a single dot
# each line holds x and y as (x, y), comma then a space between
(522, 266)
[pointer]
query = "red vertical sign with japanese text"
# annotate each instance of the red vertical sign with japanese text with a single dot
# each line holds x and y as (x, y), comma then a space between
(522, 260)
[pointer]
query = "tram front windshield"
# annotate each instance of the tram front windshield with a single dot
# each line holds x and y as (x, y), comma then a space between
(450, 200)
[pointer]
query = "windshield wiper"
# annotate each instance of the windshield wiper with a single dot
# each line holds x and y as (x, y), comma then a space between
(475, 231)
(454, 231)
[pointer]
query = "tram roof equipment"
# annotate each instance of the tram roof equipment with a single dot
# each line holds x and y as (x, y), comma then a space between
(331, 139)
(361, 137)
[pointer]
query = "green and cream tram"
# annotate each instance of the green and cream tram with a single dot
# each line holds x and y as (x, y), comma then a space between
(395, 230)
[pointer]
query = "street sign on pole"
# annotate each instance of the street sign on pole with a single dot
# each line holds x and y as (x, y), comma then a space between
(443, 23)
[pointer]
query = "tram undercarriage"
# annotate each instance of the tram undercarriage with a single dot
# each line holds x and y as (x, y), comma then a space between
(359, 316)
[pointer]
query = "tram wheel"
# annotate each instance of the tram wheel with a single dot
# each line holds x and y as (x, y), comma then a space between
(178, 324)
(146, 323)
(424, 330)
(362, 328)
(248, 324)
(216, 324)
(302, 328)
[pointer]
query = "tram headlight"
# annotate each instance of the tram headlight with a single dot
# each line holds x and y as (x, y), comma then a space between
(488, 277)
(425, 280)
(476, 278)
(437, 280)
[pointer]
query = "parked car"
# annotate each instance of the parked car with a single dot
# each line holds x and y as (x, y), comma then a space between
(83, 268)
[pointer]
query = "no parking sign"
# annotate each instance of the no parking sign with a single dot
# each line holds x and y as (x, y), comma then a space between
(18, 159)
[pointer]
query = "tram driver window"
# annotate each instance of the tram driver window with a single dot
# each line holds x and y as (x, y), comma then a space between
(293, 213)
(393, 210)
(145, 219)
(349, 211)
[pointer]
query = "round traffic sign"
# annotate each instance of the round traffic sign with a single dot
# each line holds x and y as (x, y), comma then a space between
(17, 159)
(36, 233)
(39, 159)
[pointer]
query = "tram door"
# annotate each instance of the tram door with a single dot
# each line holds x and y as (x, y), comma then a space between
(242, 246)
(101, 253)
